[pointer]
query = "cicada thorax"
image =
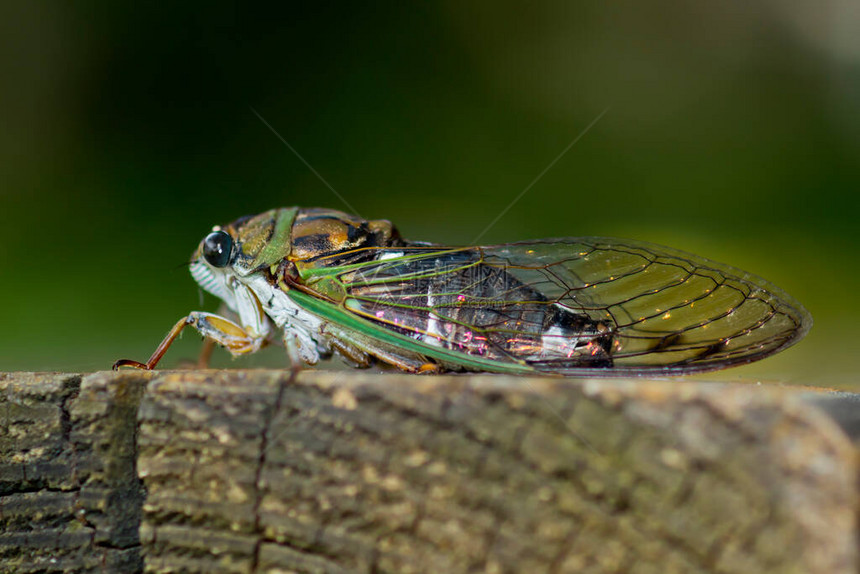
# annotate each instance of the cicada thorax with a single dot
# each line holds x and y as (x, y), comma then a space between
(322, 233)
(261, 240)
(294, 234)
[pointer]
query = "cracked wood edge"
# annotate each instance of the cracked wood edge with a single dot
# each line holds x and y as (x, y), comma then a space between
(389, 473)
(70, 497)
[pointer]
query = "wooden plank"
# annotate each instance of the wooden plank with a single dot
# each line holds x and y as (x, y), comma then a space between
(244, 471)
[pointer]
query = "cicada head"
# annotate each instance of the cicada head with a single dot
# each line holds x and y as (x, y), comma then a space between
(257, 243)
(240, 248)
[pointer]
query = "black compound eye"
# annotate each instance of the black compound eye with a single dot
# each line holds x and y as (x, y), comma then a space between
(217, 248)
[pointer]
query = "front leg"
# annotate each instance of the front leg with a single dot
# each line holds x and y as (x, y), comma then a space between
(222, 331)
(238, 339)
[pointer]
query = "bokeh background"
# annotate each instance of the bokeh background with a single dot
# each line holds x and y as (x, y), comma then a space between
(733, 131)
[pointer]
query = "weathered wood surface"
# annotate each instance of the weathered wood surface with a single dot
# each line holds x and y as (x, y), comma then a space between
(242, 471)
(70, 499)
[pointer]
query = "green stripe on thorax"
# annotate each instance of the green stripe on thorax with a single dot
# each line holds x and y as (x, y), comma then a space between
(279, 244)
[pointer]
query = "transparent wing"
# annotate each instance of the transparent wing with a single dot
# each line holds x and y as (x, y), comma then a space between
(575, 305)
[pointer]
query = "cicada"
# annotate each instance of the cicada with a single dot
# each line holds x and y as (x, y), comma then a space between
(337, 284)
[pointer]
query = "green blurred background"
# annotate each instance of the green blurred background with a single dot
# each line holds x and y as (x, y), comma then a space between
(733, 131)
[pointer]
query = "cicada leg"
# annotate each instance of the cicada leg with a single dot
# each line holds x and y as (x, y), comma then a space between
(403, 363)
(342, 340)
(214, 327)
(359, 354)
(209, 344)
(291, 344)
(351, 355)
